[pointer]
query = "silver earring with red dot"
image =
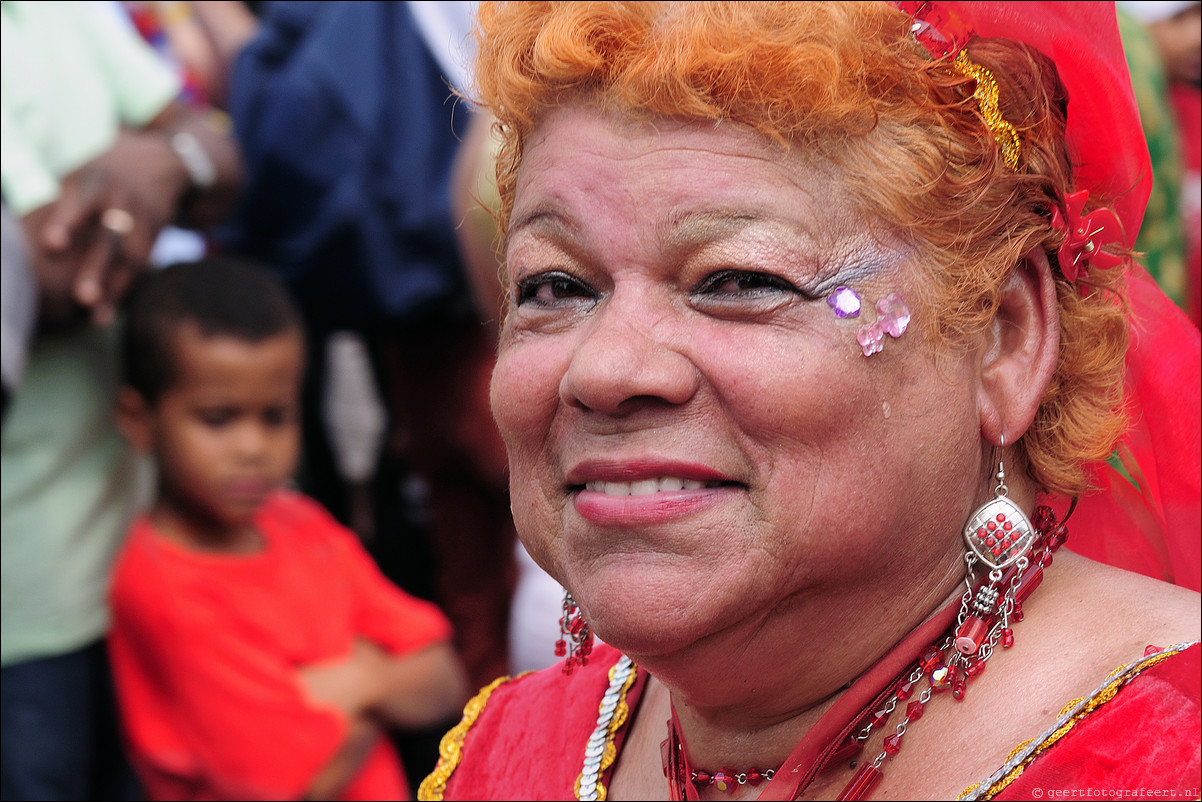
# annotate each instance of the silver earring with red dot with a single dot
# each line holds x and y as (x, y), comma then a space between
(1000, 538)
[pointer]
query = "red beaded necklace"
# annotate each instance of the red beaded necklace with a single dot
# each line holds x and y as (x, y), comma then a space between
(686, 782)
(948, 664)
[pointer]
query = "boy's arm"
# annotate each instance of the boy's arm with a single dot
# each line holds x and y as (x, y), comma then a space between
(346, 762)
(422, 688)
(403, 670)
(413, 690)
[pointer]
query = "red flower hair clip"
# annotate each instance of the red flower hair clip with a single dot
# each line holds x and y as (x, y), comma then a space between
(1086, 236)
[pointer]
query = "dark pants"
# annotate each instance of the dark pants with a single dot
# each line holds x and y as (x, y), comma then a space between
(59, 737)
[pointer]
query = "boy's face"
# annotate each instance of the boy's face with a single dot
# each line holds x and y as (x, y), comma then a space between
(226, 434)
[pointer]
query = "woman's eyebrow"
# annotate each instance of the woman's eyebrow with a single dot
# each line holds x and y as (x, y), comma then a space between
(691, 229)
(543, 218)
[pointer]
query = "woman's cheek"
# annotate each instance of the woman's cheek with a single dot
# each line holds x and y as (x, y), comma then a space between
(524, 392)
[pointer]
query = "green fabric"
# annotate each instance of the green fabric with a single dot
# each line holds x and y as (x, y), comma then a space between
(1161, 238)
(69, 486)
(72, 72)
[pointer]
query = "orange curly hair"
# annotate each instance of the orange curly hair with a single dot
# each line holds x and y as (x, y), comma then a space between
(848, 82)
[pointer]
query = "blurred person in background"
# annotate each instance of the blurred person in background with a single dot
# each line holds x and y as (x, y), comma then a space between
(1161, 241)
(258, 652)
(1175, 27)
(18, 302)
(98, 156)
(349, 127)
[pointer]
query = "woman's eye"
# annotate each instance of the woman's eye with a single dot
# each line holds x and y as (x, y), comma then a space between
(741, 283)
(552, 289)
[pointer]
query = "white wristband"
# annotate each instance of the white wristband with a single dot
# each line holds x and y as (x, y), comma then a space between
(196, 159)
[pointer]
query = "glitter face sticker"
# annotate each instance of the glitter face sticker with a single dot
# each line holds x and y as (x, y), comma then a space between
(845, 301)
(893, 317)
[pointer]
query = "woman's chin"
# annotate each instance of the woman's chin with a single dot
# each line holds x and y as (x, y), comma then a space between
(653, 605)
(644, 641)
(644, 629)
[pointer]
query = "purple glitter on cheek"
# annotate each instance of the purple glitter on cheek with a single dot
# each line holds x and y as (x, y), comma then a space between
(845, 301)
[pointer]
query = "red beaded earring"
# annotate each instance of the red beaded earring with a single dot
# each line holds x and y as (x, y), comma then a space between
(575, 636)
(1000, 537)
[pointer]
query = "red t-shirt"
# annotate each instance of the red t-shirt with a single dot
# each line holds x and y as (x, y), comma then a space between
(206, 649)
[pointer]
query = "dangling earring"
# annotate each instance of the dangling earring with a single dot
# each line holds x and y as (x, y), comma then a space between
(575, 636)
(1000, 536)
(1016, 550)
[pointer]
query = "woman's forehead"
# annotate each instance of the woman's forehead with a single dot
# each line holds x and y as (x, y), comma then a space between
(585, 150)
(686, 182)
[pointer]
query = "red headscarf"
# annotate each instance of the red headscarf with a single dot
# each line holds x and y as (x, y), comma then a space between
(1149, 520)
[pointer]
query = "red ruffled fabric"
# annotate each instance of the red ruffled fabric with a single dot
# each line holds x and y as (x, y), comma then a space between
(1157, 509)
(529, 741)
(1101, 755)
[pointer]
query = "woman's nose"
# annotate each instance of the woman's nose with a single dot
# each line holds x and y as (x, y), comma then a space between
(631, 353)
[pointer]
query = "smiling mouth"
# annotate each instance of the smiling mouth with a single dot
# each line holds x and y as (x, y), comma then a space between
(648, 487)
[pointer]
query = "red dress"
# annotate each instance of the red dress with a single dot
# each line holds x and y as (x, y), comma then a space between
(527, 738)
(206, 648)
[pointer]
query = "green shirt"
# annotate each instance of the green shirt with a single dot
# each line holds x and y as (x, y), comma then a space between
(72, 73)
(69, 485)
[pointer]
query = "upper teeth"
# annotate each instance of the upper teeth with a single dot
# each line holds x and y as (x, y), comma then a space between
(644, 487)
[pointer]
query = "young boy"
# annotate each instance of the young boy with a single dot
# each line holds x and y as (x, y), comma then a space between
(257, 650)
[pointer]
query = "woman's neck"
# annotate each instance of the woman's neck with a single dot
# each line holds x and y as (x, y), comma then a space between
(745, 696)
(745, 699)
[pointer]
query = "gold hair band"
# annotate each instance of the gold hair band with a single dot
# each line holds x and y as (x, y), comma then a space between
(986, 95)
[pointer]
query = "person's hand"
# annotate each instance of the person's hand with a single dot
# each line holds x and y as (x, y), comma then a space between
(93, 239)
(54, 271)
(414, 690)
(351, 684)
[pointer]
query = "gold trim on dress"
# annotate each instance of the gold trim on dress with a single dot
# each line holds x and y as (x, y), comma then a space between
(1072, 714)
(450, 748)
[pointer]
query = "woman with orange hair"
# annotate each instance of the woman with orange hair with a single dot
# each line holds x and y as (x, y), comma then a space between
(822, 324)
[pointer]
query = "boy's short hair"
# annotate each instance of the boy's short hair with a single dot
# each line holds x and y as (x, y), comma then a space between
(221, 296)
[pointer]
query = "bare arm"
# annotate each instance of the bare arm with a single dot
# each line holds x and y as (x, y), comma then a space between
(202, 205)
(423, 688)
(347, 761)
(226, 26)
(408, 691)
(89, 243)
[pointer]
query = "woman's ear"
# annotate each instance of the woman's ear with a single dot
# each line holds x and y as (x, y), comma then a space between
(134, 419)
(1019, 354)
